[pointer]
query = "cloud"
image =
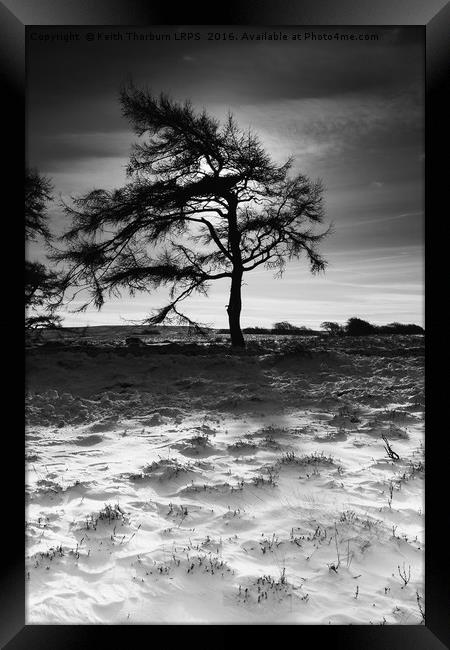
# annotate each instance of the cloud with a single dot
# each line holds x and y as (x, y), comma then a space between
(78, 146)
(339, 123)
(350, 113)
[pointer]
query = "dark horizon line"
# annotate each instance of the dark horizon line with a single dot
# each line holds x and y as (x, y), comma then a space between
(206, 327)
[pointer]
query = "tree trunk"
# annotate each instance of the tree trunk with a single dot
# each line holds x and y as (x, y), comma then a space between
(235, 304)
(234, 310)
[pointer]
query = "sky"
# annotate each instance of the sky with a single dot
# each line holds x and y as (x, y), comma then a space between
(350, 112)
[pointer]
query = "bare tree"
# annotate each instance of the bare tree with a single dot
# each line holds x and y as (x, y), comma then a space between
(204, 202)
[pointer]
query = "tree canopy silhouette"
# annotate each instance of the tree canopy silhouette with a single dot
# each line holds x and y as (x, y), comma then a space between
(335, 329)
(38, 191)
(42, 285)
(204, 202)
(358, 327)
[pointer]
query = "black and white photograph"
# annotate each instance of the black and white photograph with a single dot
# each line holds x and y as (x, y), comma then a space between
(225, 325)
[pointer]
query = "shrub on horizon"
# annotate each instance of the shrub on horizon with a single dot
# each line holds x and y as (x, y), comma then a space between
(401, 328)
(358, 327)
(257, 330)
(335, 329)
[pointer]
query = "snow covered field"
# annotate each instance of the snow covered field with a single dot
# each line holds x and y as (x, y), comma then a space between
(183, 483)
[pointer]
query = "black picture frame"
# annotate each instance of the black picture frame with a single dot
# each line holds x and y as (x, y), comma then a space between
(434, 17)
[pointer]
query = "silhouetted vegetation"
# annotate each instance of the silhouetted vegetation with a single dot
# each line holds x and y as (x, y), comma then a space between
(287, 328)
(251, 330)
(335, 329)
(280, 328)
(42, 285)
(38, 192)
(284, 327)
(353, 327)
(400, 328)
(212, 184)
(358, 327)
